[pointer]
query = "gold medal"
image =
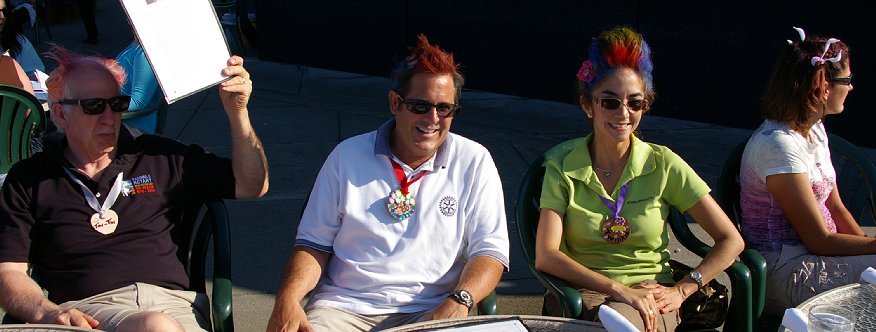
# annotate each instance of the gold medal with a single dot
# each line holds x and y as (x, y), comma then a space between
(616, 230)
(105, 222)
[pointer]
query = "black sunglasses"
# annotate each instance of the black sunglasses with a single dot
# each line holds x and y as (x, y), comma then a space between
(418, 106)
(841, 80)
(611, 104)
(97, 105)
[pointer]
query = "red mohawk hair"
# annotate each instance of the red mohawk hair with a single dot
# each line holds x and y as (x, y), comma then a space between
(426, 58)
(431, 58)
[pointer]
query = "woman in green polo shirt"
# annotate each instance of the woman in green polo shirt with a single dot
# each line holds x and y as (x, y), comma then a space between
(606, 197)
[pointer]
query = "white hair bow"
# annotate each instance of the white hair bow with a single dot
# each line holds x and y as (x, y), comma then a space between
(802, 35)
(817, 60)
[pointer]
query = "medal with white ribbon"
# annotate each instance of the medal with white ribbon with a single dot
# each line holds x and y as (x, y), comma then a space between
(401, 203)
(104, 220)
(616, 229)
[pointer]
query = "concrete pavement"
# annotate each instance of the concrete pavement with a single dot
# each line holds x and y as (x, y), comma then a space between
(301, 113)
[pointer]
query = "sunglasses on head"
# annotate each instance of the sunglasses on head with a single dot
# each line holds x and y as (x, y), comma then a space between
(418, 106)
(97, 105)
(841, 80)
(611, 104)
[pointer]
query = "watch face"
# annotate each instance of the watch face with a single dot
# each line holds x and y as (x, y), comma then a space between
(464, 297)
(698, 277)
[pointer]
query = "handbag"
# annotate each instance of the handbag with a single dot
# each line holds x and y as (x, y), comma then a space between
(705, 308)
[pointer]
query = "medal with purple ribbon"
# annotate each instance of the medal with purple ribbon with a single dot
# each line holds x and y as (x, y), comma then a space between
(616, 229)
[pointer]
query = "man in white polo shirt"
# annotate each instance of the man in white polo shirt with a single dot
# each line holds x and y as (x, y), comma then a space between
(407, 223)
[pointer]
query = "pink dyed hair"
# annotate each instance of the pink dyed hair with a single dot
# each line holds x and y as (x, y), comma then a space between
(69, 62)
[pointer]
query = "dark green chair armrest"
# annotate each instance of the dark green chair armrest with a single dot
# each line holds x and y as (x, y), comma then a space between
(756, 265)
(740, 315)
(222, 286)
(568, 296)
(489, 305)
(214, 225)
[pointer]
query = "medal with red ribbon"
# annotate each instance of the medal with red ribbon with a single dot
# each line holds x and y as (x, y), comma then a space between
(401, 203)
(616, 229)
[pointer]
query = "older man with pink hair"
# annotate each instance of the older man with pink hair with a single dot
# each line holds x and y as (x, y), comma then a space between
(94, 212)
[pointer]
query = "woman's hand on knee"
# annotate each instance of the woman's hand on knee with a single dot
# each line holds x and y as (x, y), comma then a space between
(642, 300)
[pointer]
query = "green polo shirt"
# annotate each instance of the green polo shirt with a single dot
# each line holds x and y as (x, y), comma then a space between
(658, 179)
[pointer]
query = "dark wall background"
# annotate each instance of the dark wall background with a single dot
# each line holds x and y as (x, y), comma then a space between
(712, 58)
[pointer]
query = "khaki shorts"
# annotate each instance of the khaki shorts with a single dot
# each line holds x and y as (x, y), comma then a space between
(795, 275)
(592, 300)
(327, 319)
(112, 307)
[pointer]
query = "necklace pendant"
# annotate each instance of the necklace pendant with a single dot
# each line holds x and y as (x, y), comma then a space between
(401, 206)
(607, 174)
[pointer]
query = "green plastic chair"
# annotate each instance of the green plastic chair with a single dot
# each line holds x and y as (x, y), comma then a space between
(856, 180)
(21, 117)
(739, 316)
(201, 223)
(488, 306)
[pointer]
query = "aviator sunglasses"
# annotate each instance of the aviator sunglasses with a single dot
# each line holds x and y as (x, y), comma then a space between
(97, 105)
(611, 104)
(418, 106)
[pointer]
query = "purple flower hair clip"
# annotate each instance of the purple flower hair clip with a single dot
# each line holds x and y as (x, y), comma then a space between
(585, 74)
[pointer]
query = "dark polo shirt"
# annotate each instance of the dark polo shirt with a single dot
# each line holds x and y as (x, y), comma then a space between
(45, 219)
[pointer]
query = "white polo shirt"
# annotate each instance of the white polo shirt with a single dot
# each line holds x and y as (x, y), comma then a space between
(380, 265)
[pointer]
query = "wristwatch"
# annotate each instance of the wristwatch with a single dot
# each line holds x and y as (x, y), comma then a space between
(698, 277)
(463, 297)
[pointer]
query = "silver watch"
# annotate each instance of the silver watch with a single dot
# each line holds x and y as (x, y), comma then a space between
(698, 277)
(463, 297)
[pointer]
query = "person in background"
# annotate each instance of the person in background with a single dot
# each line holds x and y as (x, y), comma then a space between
(406, 223)
(18, 46)
(12, 74)
(606, 197)
(141, 85)
(791, 208)
(95, 211)
(86, 11)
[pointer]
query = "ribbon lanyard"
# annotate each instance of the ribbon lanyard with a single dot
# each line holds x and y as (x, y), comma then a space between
(402, 179)
(92, 199)
(621, 197)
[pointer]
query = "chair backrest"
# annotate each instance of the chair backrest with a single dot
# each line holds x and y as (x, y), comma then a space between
(200, 223)
(21, 116)
(856, 179)
(526, 210)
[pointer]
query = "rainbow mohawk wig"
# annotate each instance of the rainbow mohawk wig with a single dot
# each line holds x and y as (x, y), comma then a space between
(619, 48)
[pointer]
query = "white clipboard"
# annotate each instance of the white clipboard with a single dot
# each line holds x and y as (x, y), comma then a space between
(183, 41)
